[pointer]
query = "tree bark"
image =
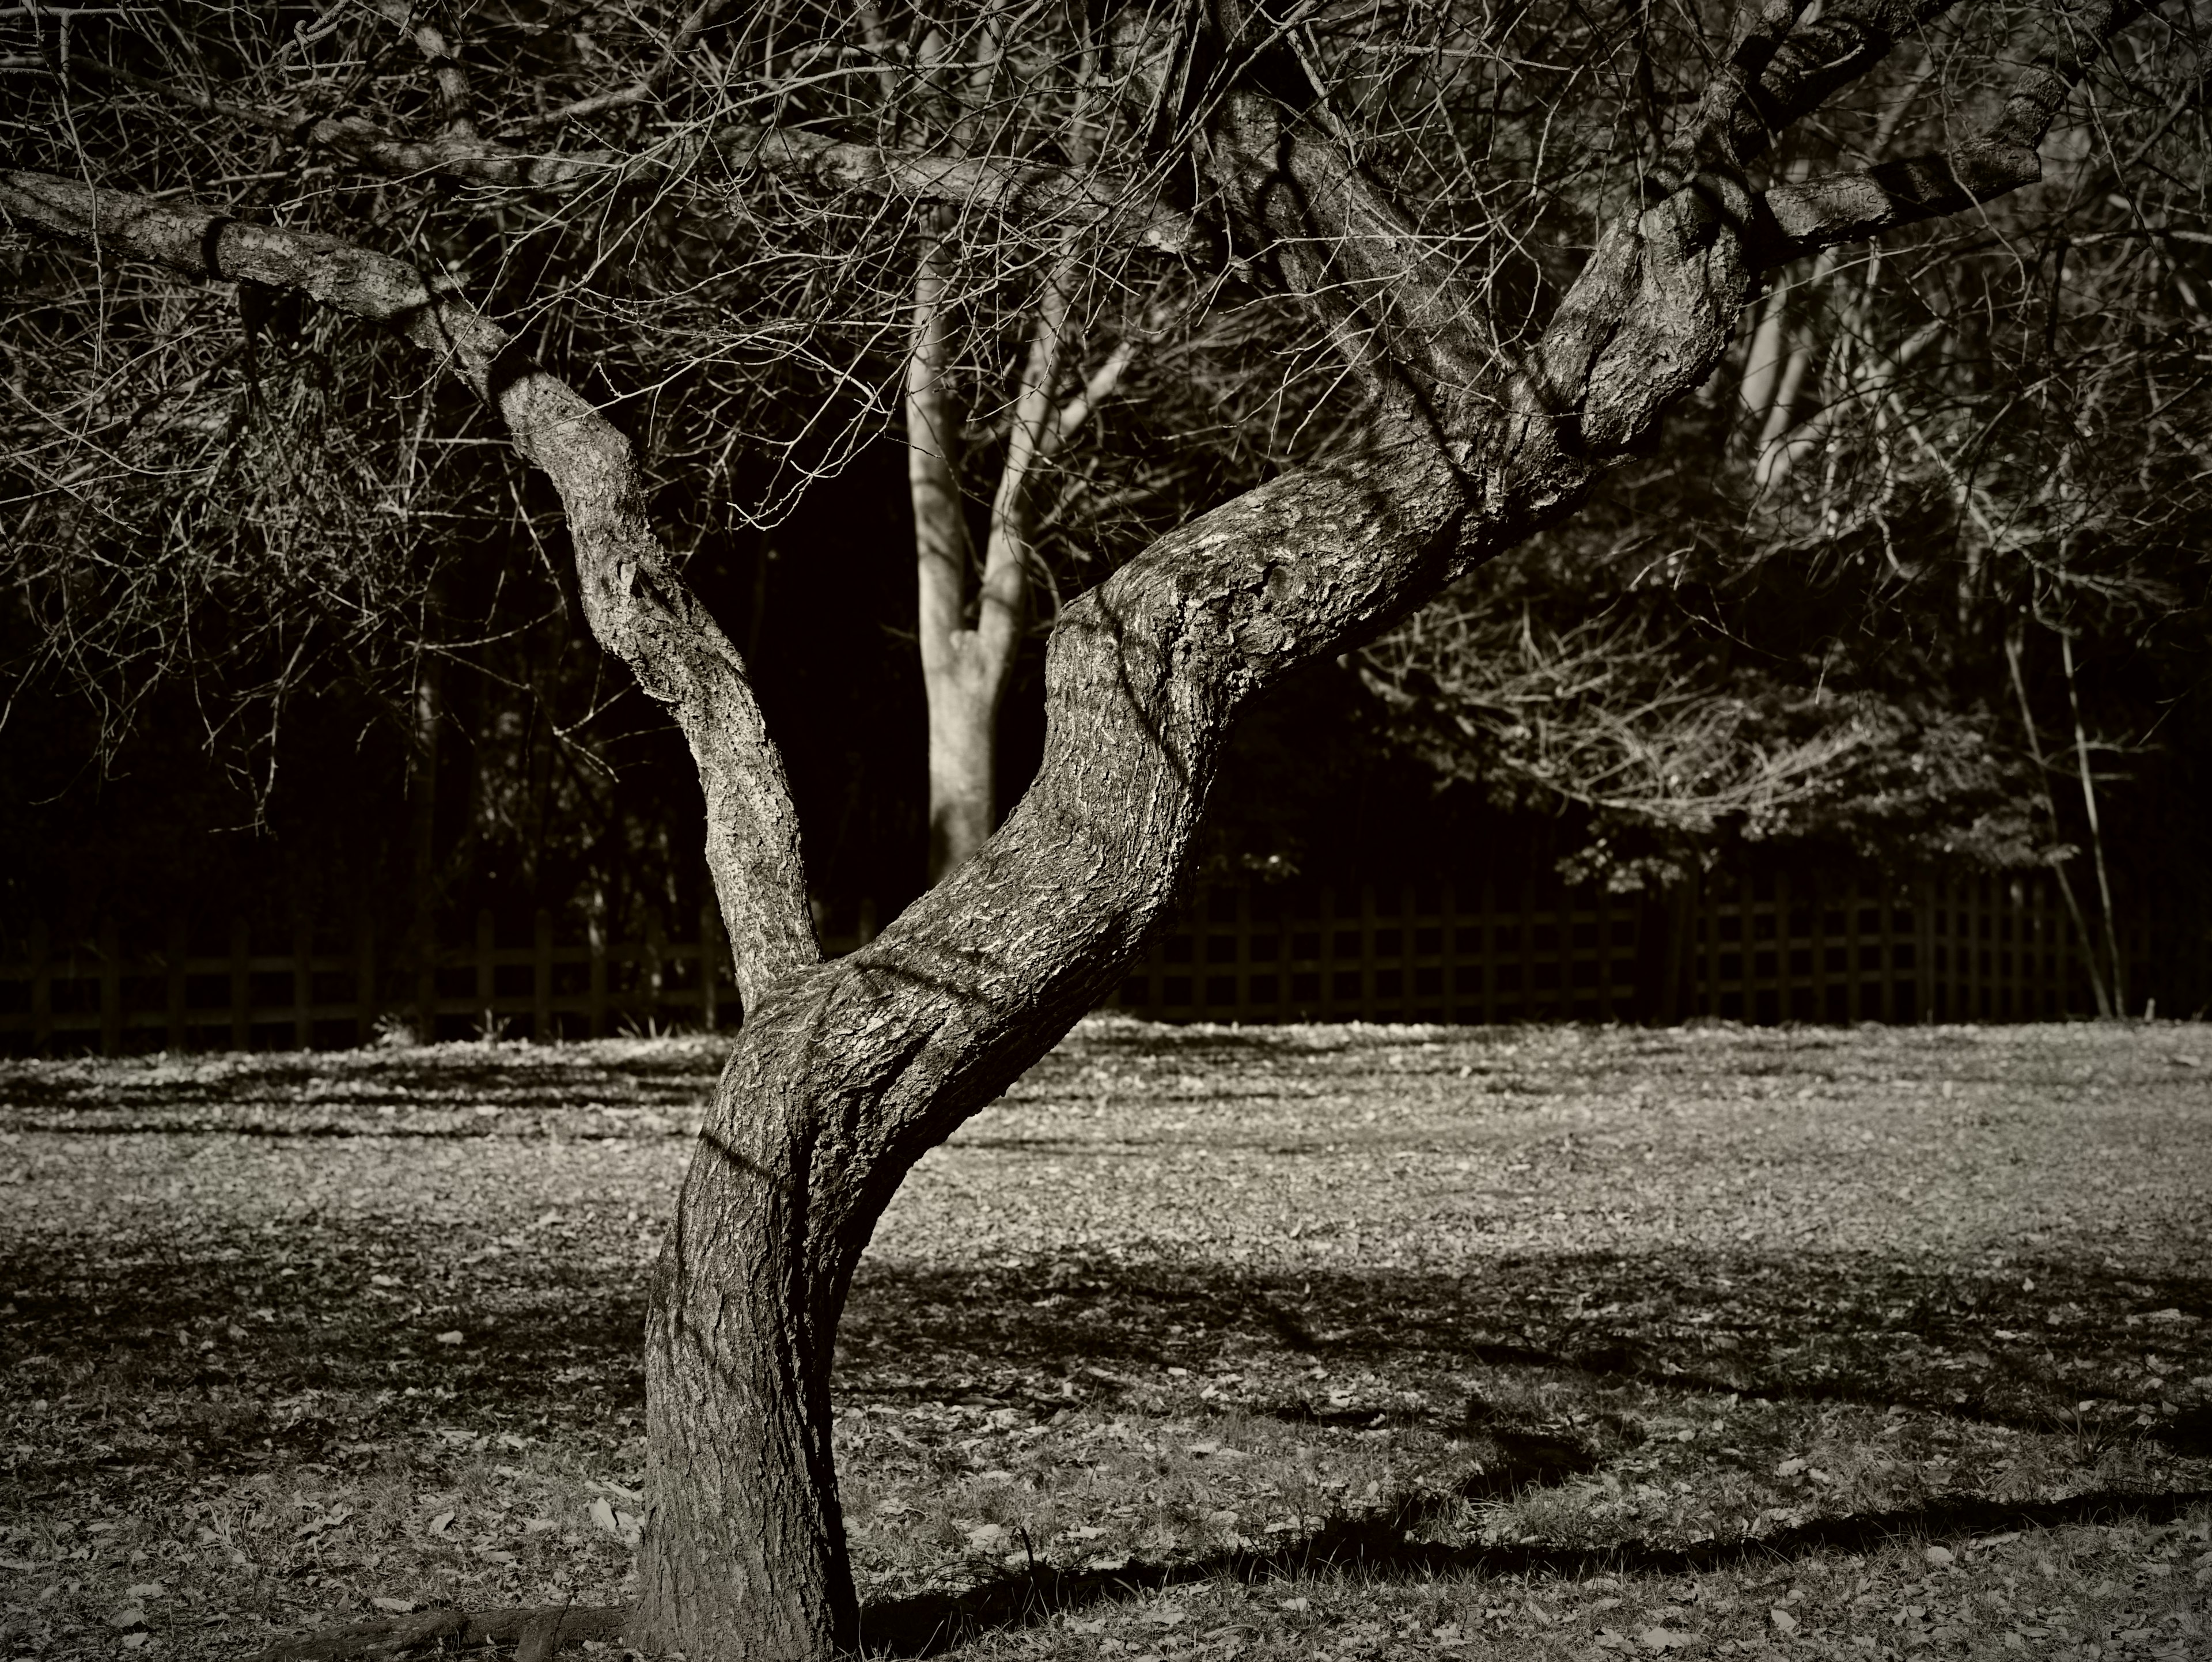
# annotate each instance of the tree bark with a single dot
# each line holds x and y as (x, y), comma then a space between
(846, 1073)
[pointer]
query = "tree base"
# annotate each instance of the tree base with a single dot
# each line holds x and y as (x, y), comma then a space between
(538, 1632)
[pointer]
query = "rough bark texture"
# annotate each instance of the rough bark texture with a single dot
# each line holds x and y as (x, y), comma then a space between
(846, 1072)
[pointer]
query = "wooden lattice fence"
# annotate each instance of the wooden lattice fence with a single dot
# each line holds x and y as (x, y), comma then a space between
(1986, 949)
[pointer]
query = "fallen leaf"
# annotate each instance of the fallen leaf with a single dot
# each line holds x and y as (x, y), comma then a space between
(396, 1606)
(1939, 1556)
(1784, 1622)
(146, 1590)
(442, 1523)
(1665, 1639)
(453, 1337)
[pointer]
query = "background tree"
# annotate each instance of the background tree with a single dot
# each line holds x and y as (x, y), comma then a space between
(1807, 619)
(1495, 385)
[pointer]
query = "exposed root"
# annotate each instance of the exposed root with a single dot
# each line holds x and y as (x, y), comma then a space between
(538, 1632)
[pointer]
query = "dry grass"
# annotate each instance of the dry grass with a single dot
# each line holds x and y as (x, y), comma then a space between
(1298, 1342)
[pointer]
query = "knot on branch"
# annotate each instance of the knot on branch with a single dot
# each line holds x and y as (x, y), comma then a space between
(1648, 318)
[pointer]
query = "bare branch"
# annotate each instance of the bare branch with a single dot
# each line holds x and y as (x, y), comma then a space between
(1797, 219)
(1741, 118)
(445, 69)
(1096, 390)
(694, 25)
(638, 605)
(1123, 210)
(452, 154)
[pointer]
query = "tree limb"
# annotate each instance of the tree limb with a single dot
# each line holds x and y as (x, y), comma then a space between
(1797, 69)
(453, 82)
(694, 24)
(639, 606)
(1122, 210)
(1796, 219)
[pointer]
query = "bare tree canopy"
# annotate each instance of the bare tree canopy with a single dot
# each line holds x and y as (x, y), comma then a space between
(1492, 257)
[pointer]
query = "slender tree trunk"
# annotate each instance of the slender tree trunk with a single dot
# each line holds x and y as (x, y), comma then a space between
(2099, 989)
(965, 670)
(960, 709)
(423, 847)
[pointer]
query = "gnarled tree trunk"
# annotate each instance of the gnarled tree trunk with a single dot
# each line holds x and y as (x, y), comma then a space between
(846, 1072)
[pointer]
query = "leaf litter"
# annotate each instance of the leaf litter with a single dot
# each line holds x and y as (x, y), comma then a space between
(1201, 1341)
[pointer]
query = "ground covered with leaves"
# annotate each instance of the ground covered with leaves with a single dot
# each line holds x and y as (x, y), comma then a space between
(1307, 1342)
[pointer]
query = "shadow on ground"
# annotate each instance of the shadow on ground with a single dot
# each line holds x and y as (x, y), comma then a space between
(924, 1626)
(222, 1334)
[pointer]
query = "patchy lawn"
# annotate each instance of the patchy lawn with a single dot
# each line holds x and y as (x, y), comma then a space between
(1312, 1342)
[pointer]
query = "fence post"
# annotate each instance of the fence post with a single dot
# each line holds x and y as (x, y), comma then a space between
(595, 926)
(651, 973)
(303, 985)
(241, 989)
(1601, 903)
(173, 1028)
(486, 940)
(42, 989)
(541, 979)
(111, 990)
(364, 978)
(1924, 951)
(426, 980)
(710, 954)
(1487, 944)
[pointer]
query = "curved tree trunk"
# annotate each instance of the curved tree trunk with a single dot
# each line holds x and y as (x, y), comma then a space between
(846, 1073)
(744, 1546)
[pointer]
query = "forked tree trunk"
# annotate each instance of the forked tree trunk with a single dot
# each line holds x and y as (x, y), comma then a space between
(967, 666)
(846, 1073)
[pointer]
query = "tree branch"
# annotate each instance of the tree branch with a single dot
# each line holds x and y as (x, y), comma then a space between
(1796, 219)
(1069, 419)
(694, 25)
(638, 605)
(1121, 209)
(452, 155)
(446, 70)
(1798, 69)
